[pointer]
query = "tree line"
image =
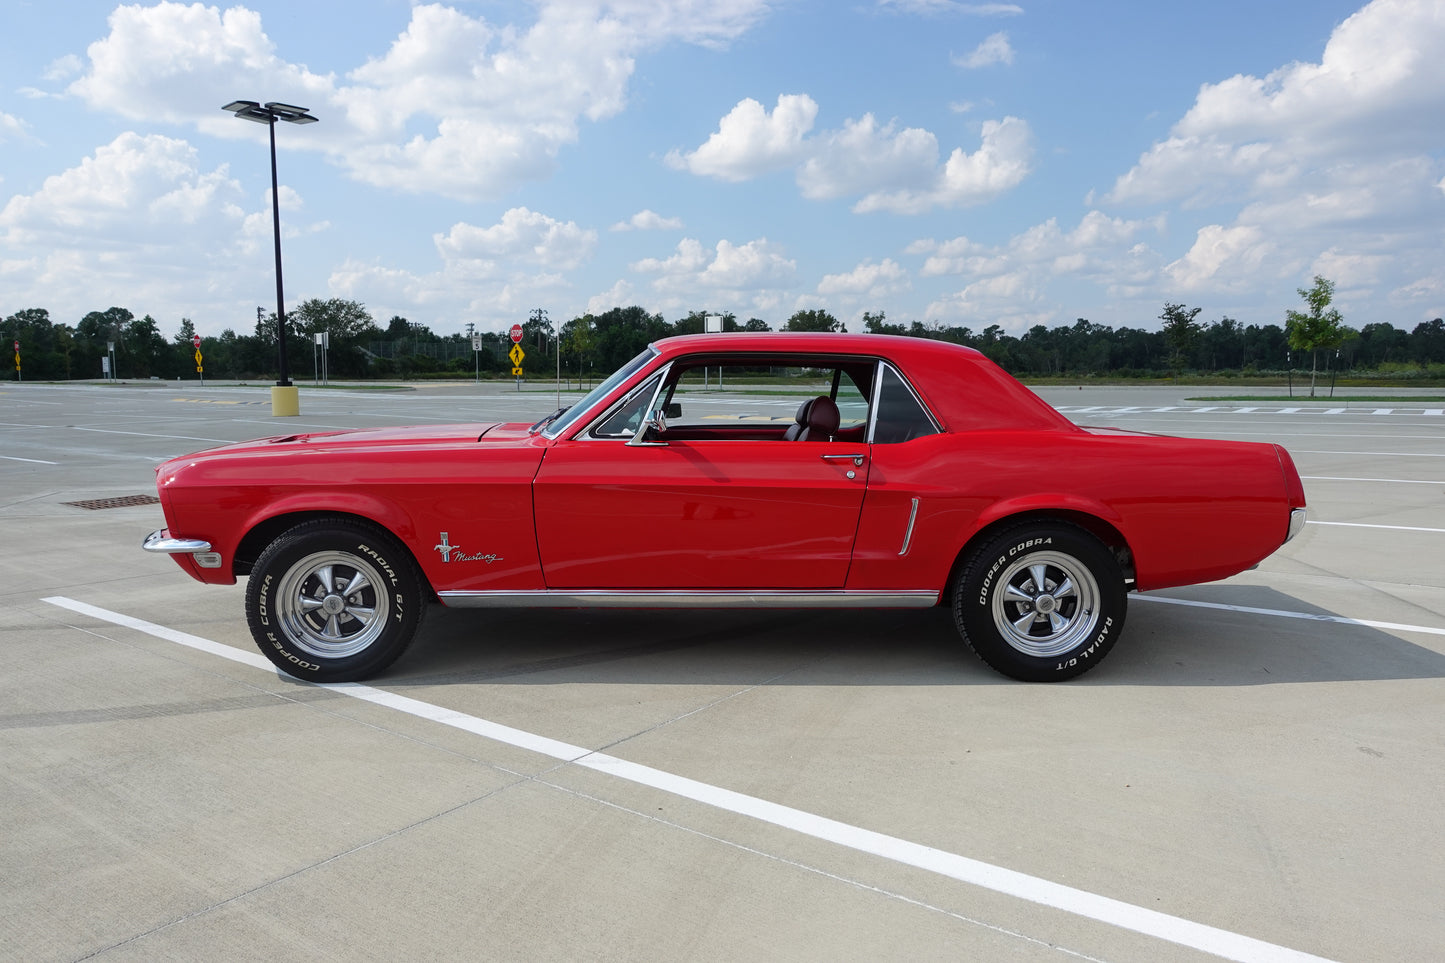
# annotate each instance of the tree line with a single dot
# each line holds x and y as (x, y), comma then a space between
(593, 345)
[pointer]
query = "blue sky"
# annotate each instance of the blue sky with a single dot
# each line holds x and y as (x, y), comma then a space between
(946, 162)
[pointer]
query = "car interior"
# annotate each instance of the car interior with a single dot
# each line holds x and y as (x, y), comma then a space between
(718, 398)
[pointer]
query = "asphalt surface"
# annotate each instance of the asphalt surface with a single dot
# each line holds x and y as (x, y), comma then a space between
(1256, 772)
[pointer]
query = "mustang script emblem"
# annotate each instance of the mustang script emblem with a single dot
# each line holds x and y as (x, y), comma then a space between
(454, 553)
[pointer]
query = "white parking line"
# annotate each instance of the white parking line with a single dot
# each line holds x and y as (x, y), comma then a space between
(1137, 919)
(1372, 454)
(33, 461)
(1386, 481)
(1308, 616)
(147, 434)
(1393, 528)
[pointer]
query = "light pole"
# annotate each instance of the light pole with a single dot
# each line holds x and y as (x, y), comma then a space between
(285, 399)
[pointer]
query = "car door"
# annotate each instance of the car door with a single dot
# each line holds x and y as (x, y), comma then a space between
(754, 513)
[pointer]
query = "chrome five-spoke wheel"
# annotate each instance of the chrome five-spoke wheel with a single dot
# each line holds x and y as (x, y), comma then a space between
(334, 600)
(1049, 604)
(1041, 601)
(330, 605)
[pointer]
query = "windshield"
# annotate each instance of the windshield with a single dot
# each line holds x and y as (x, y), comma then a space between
(581, 408)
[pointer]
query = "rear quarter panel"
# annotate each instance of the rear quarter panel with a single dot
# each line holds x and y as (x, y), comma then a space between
(1191, 510)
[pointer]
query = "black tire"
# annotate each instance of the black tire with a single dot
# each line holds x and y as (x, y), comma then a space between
(1077, 614)
(334, 600)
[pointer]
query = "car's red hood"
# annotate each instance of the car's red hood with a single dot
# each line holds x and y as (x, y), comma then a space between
(411, 436)
(373, 438)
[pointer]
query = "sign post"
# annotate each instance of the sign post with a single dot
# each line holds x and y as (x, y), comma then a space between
(517, 354)
(477, 357)
(19, 376)
(322, 341)
(200, 369)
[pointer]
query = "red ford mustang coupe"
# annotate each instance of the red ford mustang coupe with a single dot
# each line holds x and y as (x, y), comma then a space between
(916, 473)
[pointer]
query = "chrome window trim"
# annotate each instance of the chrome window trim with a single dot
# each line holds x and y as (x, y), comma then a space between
(587, 433)
(877, 399)
(692, 598)
(554, 430)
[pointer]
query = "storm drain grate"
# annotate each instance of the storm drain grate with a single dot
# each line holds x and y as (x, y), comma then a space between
(123, 501)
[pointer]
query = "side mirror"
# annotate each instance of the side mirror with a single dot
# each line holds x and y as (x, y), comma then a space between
(674, 410)
(653, 425)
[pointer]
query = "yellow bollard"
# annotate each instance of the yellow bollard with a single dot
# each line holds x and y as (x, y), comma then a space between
(285, 401)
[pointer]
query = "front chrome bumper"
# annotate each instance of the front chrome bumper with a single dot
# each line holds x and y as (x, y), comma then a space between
(161, 542)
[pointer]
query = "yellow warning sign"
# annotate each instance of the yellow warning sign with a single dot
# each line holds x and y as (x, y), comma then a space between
(516, 372)
(516, 354)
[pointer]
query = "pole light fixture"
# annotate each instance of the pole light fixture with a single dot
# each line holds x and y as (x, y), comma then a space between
(268, 114)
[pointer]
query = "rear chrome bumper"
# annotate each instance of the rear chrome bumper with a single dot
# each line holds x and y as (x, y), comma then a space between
(1296, 522)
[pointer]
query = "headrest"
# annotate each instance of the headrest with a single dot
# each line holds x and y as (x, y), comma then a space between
(822, 415)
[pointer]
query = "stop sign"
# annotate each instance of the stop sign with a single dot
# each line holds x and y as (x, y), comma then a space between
(196, 340)
(516, 334)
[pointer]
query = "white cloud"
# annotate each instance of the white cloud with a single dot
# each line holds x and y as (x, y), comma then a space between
(752, 276)
(1001, 163)
(1014, 301)
(1221, 256)
(867, 280)
(1382, 71)
(727, 266)
(935, 7)
(129, 191)
(1328, 166)
(457, 106)
(63, 68)
(138, 222)
(13, 129)
(521, 237)
(647, 220)
(895, 170)
(995, 49)
(751, 141)
(620, 295)
(863, 157)
(1008, 283)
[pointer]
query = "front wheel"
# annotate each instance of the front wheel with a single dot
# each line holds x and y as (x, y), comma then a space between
(1041, 602)
(333, 600)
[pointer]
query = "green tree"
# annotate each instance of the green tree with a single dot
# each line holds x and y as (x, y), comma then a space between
(579, 345)
(1180, 331)
(1319, 329)
(147, 350)
(1427, 342)
(348, 326)
(45, 348)
(812, 319)
(623, 332)
(878, 324)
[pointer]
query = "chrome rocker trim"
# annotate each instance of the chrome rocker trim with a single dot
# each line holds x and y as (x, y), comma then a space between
(161, 541)
(660, 599)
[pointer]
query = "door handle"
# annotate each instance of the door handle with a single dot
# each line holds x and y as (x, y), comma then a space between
(857, 460)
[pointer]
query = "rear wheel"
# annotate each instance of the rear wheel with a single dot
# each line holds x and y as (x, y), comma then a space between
(1041, 602)
(334, 600)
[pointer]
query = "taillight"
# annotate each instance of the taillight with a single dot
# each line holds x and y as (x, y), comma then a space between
(1294, 489)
